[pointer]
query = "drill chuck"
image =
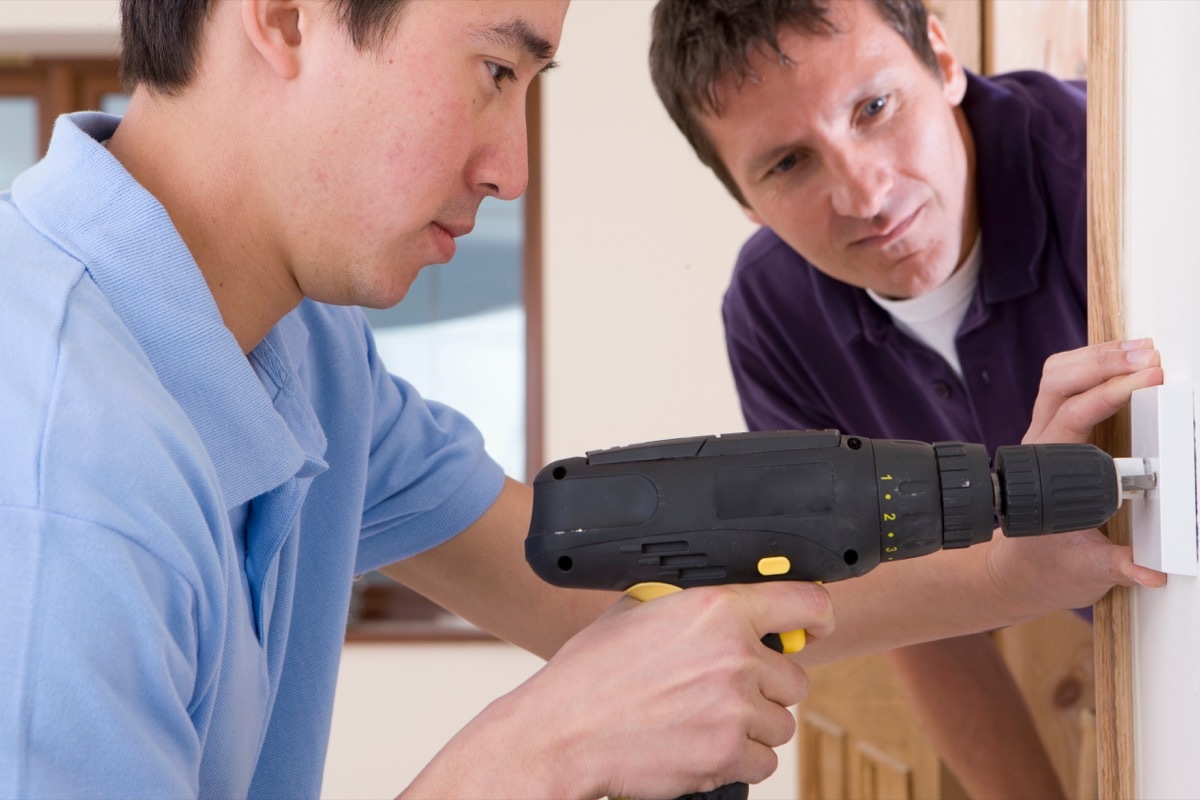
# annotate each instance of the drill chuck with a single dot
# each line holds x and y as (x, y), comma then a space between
(1054, 488)
(797, 505)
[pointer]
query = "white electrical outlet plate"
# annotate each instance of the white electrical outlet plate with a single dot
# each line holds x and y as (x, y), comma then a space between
(1164, 520)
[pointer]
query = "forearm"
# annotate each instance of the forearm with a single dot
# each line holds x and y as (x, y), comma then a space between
(481, 575)
(501, 755)
(945, 594)
(973, 712)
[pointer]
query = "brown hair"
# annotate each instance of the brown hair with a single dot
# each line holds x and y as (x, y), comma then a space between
(697, 43)
(160, 39)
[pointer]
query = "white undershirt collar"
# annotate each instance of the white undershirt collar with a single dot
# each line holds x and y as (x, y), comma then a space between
(933, 318)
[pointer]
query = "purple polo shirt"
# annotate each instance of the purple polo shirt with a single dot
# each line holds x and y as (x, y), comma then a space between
(808, 351)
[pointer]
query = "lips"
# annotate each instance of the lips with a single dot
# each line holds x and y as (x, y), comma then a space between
(890, 235)
(456, 228)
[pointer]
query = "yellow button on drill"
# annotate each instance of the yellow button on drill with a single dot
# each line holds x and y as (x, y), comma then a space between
(774, 565)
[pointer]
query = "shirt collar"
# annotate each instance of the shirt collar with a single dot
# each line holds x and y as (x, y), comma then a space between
(1011, 204)
(80, 197)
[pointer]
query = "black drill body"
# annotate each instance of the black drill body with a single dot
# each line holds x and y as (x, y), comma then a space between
(709, 510)
(796, 505)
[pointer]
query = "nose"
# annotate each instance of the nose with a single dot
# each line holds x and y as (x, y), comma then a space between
(861, 183)
(501, 164)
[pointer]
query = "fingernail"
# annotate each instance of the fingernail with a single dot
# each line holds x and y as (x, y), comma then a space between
(1142, 358)
(1135, 344)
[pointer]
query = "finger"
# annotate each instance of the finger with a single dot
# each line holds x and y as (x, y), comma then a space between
(1144, 576)
(1077, 415)
(1076, 371)
(783, 681)
(758, 762)
(1126, 573)
(779, 606)
(772, 724)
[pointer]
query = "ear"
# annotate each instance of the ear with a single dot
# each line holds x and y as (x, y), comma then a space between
(273, 28)
(752, 216)
(954, 78)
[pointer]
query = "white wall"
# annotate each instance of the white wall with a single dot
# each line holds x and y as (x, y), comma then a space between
(640, 238)
(397, 705)
(1161, 290)
(80, 28)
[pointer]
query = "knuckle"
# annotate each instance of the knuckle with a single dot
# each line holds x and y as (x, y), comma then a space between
(786, 730)
(814, 598)
(799, 684)
(763, 767)
(1052, 362)
(717, 600)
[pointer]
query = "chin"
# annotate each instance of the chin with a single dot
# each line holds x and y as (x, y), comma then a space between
(921, 279)
(386, 298)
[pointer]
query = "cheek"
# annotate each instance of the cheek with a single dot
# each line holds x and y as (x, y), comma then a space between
(943, 155)
(426, 153)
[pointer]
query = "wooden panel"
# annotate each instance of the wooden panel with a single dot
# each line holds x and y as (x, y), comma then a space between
(1049, 35)
(1106, 78)
(1052, 661)
(963, 21)
(860, 700)
(876, 775)
(823, 763)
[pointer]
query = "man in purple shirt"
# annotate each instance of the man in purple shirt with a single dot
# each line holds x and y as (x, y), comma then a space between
(922, 253)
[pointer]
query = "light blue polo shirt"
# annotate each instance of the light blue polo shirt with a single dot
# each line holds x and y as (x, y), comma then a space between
(147, 647)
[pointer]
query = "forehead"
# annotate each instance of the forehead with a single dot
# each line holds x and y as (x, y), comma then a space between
(817, 80)
(531, 25)
(858, 43)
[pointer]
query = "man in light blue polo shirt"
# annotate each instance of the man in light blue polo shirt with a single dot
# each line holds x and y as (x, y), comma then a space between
(202, 448)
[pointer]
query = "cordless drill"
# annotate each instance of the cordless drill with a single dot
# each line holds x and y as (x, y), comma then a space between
(801, 505)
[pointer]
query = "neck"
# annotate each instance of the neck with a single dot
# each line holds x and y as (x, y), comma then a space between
(203, 174)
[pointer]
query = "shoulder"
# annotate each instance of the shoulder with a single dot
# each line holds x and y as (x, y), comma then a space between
(765, 266)
(1056, 109)
(91, 433)
(774, 286)
(763, 249)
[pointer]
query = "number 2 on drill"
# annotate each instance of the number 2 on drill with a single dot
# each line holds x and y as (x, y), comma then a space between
(889, 516)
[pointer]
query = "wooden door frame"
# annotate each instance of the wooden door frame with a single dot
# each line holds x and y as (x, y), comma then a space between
(1106, 321)
(531, 288)
(60, 85)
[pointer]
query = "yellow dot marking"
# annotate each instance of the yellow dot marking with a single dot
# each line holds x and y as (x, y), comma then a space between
(774, 565)
(891, 535)
(887, 497)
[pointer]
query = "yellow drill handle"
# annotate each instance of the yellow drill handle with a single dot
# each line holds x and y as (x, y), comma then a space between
(790, 642)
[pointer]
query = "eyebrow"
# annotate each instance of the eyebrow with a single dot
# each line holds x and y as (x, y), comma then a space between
(520, 34)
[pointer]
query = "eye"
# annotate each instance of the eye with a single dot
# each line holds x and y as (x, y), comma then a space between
(875, 107)
(786, 164)
(500, 73)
